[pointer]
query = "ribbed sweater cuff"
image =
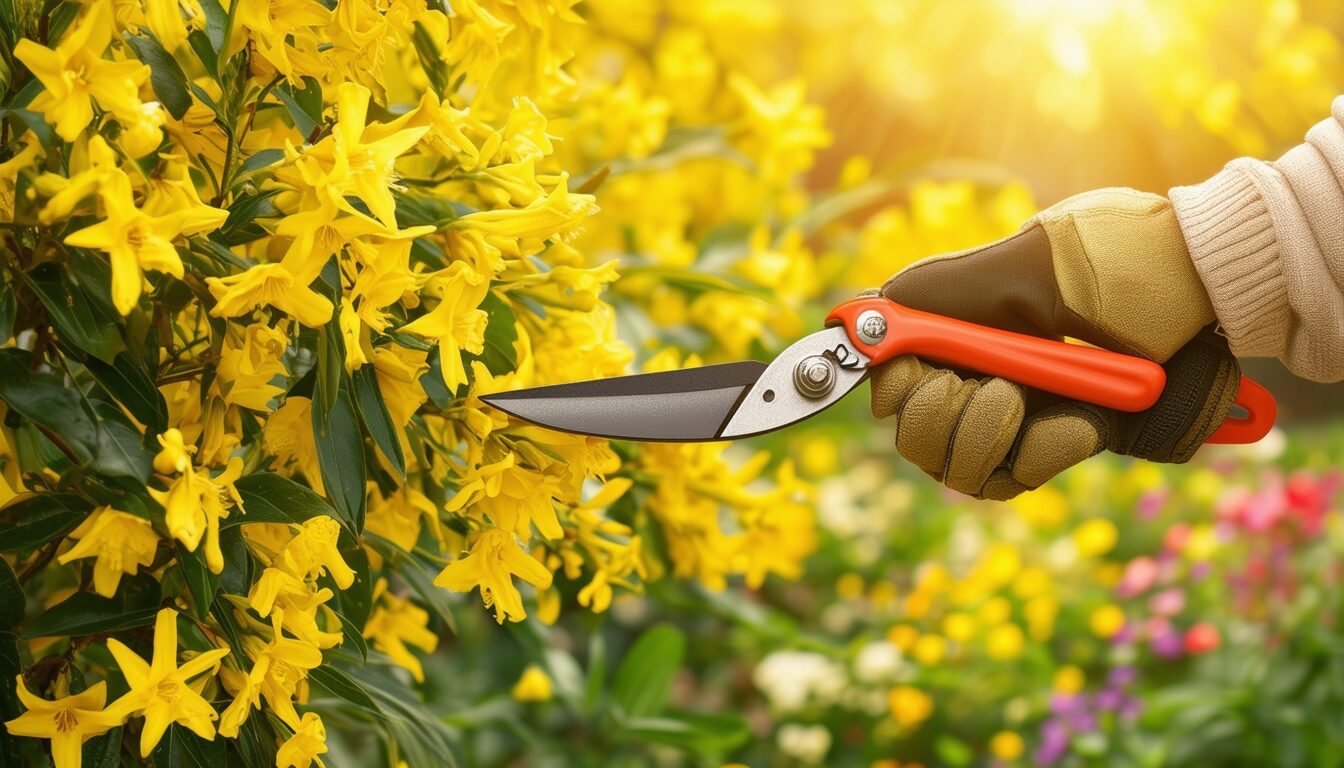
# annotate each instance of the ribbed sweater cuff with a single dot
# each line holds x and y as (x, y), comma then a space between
(1231, 238)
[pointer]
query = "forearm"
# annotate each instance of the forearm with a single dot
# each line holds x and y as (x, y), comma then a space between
(1267, 240)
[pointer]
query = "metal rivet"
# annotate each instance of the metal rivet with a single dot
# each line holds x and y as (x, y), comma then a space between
(870, 326)
(814, 376)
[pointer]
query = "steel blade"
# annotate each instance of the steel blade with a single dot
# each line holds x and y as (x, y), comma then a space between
(689, 405)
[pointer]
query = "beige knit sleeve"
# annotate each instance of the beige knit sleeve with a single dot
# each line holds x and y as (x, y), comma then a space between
(1268, 242)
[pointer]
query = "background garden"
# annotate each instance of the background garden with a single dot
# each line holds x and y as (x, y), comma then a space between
(261, 258)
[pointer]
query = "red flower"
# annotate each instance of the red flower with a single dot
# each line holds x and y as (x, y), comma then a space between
(1202, 638)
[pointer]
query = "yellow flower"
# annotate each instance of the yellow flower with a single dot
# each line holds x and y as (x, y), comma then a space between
(398, 517)
(1006, 745)
(75, 73)
(249, 365)
(903, 636)
(1068, 679)
(302, 749)
(195, 502)
(68, 721)
(160, 689)
(556, 215)
(1095, 537)
(1031, 582)
(289, 436)
(399, 370)
(396, 622)
(533, 685)
(269, 285)
(910, 706)
(269, 25)
(995, 610)
(136, 241)
(1201, 544)
(1044, 507)
(929, 650)
(494, 560)
(122, 543)
(456, 322)
(1107, 620)
(313, 550)
(959, 627)
(279, 671)
(849, 586)
(1004, 642)
(362, 158)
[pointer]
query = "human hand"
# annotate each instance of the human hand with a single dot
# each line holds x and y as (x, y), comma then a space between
(1108, 267)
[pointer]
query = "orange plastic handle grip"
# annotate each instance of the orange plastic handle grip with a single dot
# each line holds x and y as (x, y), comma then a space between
(1089, 374)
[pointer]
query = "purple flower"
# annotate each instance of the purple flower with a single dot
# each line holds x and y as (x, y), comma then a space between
(1168, 645)
(1054, 743)
(1122, 677)
(1110, 699)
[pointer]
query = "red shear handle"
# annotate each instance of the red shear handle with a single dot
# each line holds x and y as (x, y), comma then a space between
(1089, 374)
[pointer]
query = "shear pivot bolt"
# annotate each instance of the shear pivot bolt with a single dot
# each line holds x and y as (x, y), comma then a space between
(871, 326)
(814, 376)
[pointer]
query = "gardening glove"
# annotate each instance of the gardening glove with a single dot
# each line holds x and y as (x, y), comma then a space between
(1109, 267)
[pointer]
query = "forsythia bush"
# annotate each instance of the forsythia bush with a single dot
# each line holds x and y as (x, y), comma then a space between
(260, 261)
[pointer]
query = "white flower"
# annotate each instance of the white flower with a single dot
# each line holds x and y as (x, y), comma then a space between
(789, 679)
(877, 663)
(806, 743)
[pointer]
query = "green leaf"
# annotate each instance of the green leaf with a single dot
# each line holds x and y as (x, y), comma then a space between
(352, 635)
(11, 598)
(357, 599)
(401, 703)
(216, 23)
(180, 748)
(417, 575)
(236, 578)
(79, 318)
(953, 752)
(330, 367)
(706, 734)
(10, 668)
(260, 160)
(414, 210)
(120, 452)
(376, 420)
(204, 50)
(240, 226)
(304, 106)
(346, 688)
(84, 613)
(200, 581)
(31, 521)
(165, 76)
(9, 309)
(133, 387)
(340, 455)
(255, 742)
(499, 355)
(644, 676)
(43, 399)
(103, 751)
(271, 498)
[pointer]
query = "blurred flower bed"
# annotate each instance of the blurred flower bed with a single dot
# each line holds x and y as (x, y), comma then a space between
(538, 191)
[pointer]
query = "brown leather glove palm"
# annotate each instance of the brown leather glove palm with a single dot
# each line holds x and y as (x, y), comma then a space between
(1108, 267)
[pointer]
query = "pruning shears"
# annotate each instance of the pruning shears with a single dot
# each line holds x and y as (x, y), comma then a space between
(736, 400)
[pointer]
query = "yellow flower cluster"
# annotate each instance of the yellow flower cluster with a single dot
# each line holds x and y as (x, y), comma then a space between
(324, 231)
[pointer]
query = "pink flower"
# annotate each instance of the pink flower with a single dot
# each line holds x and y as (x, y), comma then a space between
(1140, 575)
(1168, 602)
